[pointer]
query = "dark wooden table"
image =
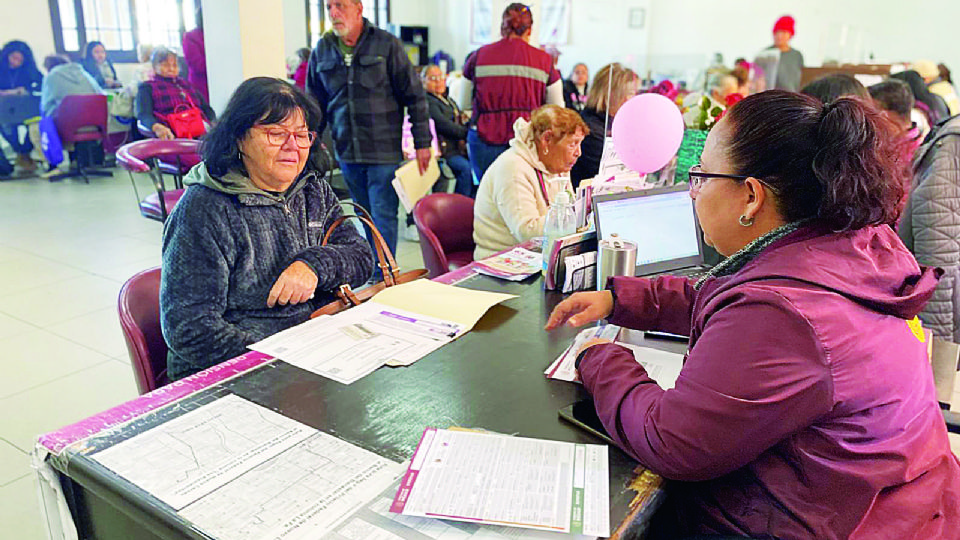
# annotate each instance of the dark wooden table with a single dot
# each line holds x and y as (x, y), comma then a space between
(491, 378)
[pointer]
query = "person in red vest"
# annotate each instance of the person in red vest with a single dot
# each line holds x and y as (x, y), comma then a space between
(506, 80)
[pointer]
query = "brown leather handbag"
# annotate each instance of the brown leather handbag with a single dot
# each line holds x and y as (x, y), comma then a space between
(346, 296)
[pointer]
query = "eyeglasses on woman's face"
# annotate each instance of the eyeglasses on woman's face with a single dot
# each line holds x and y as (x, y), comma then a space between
(279, 137)
(698, 178)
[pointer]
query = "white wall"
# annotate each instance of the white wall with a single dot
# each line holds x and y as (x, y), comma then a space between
(682, 35)
(29, 22)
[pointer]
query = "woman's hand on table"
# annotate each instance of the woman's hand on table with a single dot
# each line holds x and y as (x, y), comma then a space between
(294, 286)
(580, 309)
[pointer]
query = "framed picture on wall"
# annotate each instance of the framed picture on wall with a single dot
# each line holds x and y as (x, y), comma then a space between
(551, 20)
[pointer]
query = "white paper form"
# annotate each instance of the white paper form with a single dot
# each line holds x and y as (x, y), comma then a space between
(662, 366)
(192, 455)
(355, 342)
(375, 522)
(512, 481)
(301, 494)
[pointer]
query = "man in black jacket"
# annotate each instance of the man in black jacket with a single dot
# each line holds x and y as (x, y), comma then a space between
(363, 80)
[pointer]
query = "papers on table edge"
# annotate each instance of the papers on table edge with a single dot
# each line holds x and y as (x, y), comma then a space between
(662, 366)
(279, 455)
(505, 470)
(514, 265)
(397, 327)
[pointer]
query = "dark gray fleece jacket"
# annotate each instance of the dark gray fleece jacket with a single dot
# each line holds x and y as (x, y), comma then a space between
(224, 246)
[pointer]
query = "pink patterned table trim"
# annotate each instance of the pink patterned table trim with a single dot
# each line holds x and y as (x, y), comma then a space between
(56, 441)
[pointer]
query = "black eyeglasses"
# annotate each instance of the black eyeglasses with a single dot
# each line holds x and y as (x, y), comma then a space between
(698, 178)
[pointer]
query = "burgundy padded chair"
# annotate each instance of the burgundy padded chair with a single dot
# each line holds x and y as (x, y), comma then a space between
(175, 167)
(445, 224)
(82, 118)
(144, 157)
(139, 310)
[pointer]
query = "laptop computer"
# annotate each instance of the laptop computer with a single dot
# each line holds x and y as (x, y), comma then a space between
(664, 226)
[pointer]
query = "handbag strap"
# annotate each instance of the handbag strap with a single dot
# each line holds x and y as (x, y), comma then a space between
(385, 260)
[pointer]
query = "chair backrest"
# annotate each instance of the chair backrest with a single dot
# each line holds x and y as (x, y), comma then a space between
(135, 156)
(139, 310)
(82, 111)
(445, 225)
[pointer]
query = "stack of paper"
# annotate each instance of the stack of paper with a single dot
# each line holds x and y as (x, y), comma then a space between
(513, 481)
(399, 326)
(515, 265)
(663, 367)
(239, 471)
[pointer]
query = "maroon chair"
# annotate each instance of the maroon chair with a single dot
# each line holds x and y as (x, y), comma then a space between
(82, 118)
(139, 310)
(144, 157)
(175, 167)
(445, 224)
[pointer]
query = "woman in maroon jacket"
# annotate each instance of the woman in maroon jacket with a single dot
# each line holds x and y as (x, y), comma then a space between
(806, 406)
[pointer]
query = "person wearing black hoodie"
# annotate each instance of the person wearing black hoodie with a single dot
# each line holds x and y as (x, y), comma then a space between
(931, 104)
(18, 76)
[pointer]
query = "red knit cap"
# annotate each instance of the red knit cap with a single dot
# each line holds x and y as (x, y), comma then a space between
(784, 23)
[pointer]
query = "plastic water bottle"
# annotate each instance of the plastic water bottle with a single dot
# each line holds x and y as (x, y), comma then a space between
(561, 221)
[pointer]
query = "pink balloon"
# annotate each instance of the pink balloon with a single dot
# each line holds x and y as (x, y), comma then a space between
(647, 132)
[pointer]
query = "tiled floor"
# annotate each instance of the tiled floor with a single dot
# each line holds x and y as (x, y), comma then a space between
(65, 250)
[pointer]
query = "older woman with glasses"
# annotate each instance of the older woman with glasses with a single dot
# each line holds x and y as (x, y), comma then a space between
(241, 251)
(805, 407)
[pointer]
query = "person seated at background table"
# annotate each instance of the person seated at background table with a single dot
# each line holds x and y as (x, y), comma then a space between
(241, 250)
(167, 93)
(605, 96)
(451, 128)
(933, 107)
(806, 406)
(100, 67)
(64, 78)
(516, 190)
(299, 74)
(575, 88)
(830, 87)
(931, 77)
(895, 100)
(19, 76)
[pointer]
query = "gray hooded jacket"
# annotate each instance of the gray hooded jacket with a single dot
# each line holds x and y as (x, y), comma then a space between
(930, 226)
(224, 246)
(62, 81)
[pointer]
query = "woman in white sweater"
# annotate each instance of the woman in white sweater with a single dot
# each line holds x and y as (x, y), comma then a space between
(516, 190)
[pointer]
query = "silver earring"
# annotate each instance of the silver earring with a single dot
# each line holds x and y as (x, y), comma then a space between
(745, 221)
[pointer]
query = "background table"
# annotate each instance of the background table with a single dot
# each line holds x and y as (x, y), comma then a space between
(491, 378)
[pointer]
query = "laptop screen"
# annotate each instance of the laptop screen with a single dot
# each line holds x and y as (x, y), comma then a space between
(661, 222)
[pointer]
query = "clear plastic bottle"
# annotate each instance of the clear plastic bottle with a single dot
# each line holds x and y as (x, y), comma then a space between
(561, 221)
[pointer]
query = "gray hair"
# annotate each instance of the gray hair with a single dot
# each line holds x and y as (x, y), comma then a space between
(717, 78)
(160, 54)
(426, 69)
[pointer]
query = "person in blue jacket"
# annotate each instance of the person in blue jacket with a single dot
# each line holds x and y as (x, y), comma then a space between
(18, 76)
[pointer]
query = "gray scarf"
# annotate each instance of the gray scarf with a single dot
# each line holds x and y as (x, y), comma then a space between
(749, 252)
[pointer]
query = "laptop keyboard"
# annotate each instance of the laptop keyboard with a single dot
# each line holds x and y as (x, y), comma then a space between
(693, 272)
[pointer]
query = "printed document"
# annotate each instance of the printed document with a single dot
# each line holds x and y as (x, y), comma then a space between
(458, 304)
(351, 344)
(375, 521)
(662, 366)
(240, 471)
(508, 481)
(515, 265)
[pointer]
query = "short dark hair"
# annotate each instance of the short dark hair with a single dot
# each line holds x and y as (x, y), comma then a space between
(893, 95)
(303, 53)
(835, 163)
(258, 100)
(54, 60)
(517, 19)
(835, 85)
